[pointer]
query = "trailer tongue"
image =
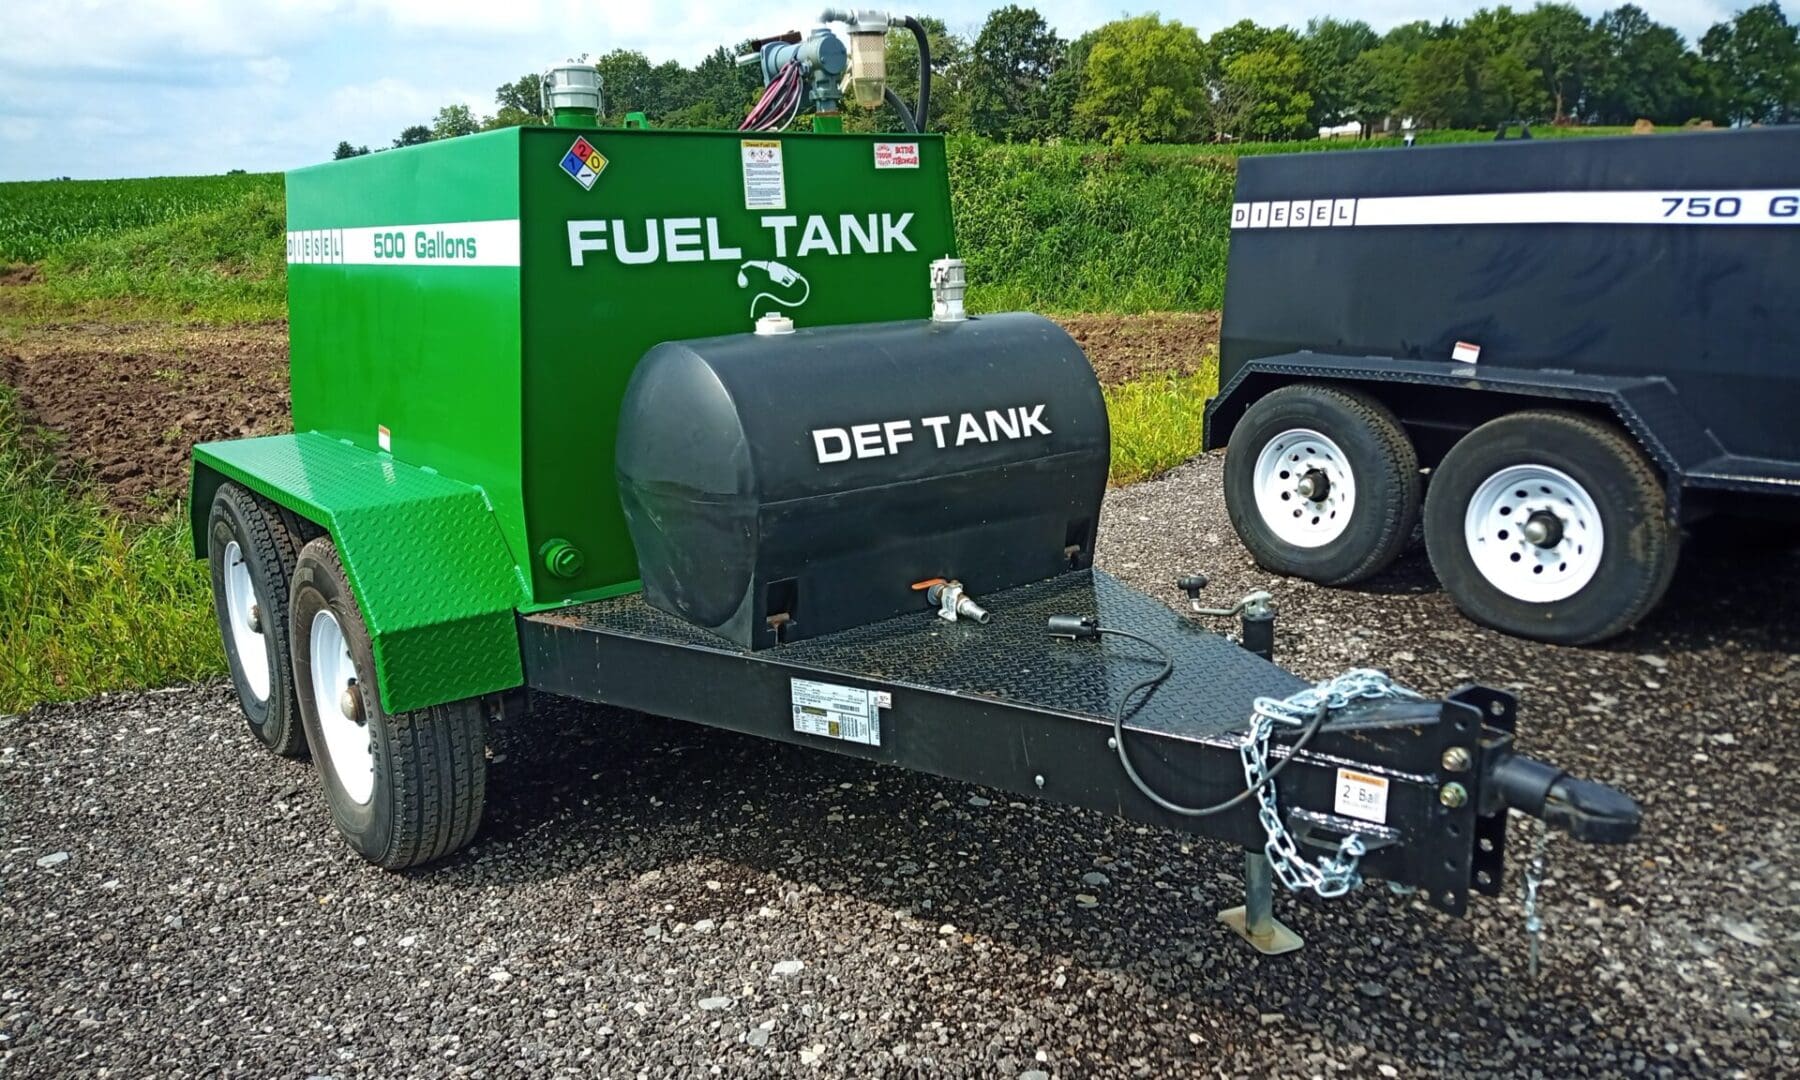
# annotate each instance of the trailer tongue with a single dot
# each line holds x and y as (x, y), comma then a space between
(694, 423)
(1411, 791)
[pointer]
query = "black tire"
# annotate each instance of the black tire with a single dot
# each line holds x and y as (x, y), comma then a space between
(268, 541)
(1640, 545)
(1381, 461)
(429, 765)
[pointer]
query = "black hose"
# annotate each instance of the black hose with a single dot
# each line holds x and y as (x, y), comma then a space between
(894, 101)
(918, 31)
(1150, 682)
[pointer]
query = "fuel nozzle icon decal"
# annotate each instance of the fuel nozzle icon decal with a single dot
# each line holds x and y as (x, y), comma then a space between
(781, 276)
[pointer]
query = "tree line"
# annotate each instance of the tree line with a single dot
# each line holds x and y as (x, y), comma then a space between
(1147, 79)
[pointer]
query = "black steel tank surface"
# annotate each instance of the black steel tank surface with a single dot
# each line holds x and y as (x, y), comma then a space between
(779, 487)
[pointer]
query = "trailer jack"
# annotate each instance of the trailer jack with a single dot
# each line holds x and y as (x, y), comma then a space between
(1505, 780)
(1588, 811)
(1255, 920)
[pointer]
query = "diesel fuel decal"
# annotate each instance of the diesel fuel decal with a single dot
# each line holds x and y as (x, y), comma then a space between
(1769, 206)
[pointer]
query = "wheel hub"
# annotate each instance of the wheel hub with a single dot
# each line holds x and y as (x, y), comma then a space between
(350, 704)
(1535, 533)
(1305, 491)
(1543, 529)
(243, 620)
(337, 700)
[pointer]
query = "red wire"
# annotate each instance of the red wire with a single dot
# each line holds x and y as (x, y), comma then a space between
(778, 97)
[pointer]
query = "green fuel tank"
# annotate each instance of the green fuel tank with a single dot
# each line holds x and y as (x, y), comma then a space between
(474, 308)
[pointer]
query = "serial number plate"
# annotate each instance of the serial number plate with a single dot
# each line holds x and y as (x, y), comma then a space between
(1362, 796)
(849, 713)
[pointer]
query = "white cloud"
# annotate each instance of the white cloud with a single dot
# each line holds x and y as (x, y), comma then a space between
(269, 69)
(78, 35)
(512, 17)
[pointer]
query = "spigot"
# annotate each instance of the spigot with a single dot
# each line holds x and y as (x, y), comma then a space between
(953, 604)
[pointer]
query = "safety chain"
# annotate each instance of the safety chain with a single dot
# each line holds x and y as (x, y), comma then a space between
(1333, 875)
(1535, 871)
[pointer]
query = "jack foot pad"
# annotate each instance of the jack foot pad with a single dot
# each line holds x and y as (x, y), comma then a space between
(1272, 938)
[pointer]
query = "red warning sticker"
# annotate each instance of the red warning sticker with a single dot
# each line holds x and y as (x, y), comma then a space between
(896, 155)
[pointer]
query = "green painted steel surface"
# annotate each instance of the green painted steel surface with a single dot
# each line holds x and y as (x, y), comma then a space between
(424, 554)
(586, 326)
(471, 310)
(427, 350)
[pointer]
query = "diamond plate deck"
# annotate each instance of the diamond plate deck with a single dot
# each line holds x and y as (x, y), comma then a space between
(1013, 658)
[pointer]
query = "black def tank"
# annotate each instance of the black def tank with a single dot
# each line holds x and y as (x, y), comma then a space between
(783, 487)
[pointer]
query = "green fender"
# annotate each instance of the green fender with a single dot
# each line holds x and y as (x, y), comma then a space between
(424, 553)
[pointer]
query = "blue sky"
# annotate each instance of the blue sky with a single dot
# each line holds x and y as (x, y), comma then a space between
(106, 88)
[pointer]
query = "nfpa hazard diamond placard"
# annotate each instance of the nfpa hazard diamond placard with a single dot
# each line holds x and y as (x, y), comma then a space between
(583, 163)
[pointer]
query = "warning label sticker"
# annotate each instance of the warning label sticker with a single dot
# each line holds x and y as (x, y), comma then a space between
(1360, 795)
(896, 155)
(849, 713)
(765, 186)
(584, 164)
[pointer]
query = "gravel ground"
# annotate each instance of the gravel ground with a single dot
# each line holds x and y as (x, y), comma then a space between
(656, 899)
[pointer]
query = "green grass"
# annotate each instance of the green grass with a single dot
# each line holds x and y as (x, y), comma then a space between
(225, 263)
(89, 602)
(1156, 421)
(1074, 228)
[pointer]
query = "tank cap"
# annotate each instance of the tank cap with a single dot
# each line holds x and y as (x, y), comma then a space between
(949, 281)
(561, 558)
(774, 324)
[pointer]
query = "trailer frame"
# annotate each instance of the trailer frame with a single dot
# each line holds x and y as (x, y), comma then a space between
(1005, 706)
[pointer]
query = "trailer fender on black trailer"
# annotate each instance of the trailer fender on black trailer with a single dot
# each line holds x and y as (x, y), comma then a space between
(1577, 346)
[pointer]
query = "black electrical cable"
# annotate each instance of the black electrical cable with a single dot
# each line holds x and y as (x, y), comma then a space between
(923, 116)
(1151, 682)
(896, 103)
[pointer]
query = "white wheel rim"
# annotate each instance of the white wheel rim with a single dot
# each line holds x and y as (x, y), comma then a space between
(244, 616)
(1305, 491)
(1504, 529)
(348, 744)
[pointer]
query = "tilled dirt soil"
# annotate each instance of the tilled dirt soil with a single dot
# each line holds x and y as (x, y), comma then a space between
(125, 403)
(1123, 347)
(649, 898)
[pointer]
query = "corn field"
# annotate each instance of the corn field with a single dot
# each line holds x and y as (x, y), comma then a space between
(38, 217)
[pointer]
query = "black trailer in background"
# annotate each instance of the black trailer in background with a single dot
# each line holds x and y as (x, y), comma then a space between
(1629, 307)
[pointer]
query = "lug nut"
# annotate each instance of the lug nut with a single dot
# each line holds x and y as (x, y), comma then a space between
(1456, 759)
(1453, 795)
(255, 619)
